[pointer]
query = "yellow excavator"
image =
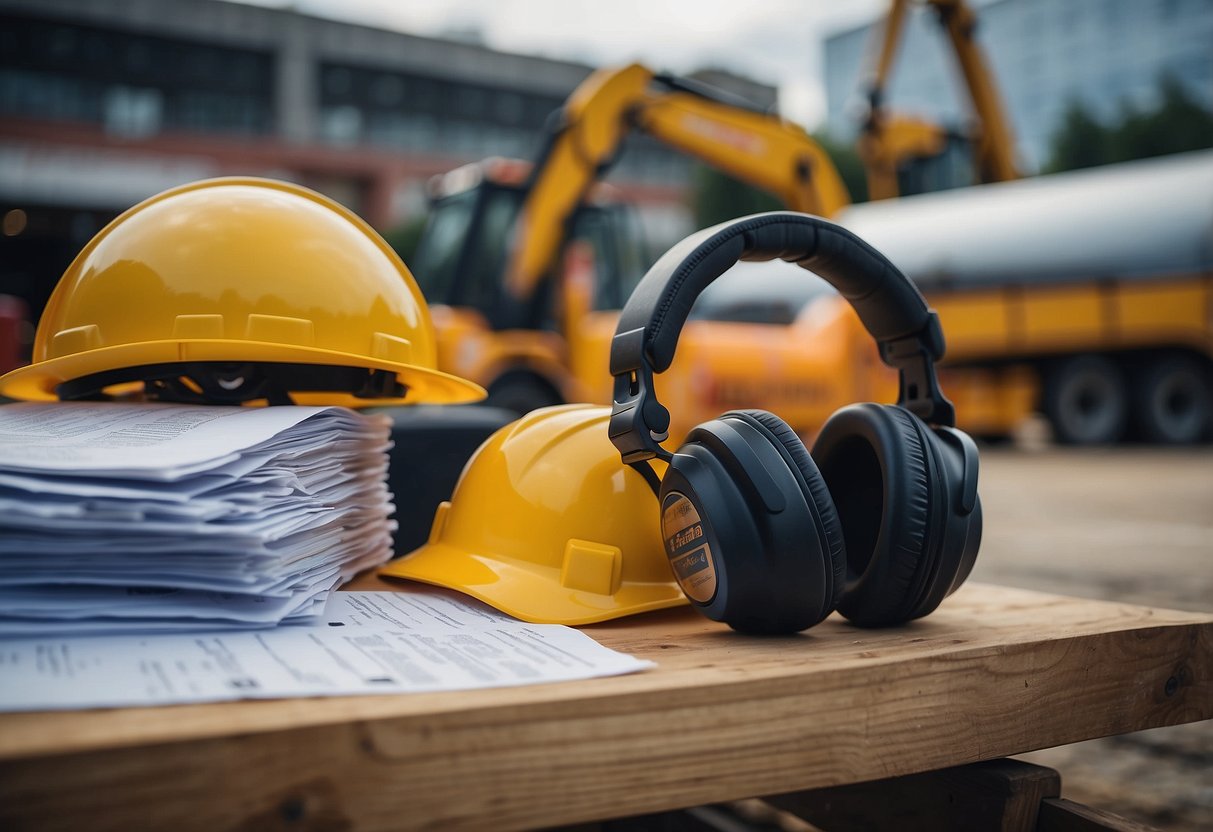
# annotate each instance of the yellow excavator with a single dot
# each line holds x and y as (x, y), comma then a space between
(904, 155)
(525, 267)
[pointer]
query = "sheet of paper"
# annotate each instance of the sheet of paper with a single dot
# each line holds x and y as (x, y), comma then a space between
(369, 642)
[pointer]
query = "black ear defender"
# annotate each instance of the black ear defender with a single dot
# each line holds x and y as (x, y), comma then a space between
(882, 521)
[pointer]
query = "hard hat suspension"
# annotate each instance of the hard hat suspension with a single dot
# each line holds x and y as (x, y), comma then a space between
(211, 382)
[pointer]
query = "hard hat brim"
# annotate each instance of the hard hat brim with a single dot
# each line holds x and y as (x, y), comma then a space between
(37, 382)
(526, 590)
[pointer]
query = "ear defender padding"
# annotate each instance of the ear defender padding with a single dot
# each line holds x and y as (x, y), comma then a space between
(816, 494)
(876, 462)
(750, 543)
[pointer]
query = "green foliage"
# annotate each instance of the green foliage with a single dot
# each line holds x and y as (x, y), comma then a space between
(846, 160)
(1080, 141)
(1176, 125)
(404, 238)
(717, 197)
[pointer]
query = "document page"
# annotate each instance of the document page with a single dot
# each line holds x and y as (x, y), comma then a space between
(368, 642)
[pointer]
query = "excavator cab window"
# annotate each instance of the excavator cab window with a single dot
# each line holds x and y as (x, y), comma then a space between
(611, 234)
(951, 168)
(484, 255)
(461, 258)
(461, 255)
(436, 261)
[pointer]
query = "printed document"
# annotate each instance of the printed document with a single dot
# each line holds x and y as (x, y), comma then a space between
(367, 643)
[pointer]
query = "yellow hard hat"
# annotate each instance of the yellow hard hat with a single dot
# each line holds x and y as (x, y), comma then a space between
(548, 525)
(240, 288)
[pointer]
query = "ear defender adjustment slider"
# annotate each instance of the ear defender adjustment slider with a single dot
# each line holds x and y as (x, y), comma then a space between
(914, 357)
(639, 423)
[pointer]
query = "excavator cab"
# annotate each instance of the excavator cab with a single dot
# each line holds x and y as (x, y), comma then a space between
(461, 258)
(952, 165)
(540, 346)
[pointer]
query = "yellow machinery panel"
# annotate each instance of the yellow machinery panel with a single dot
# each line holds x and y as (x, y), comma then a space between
(1180, 310)
(974, 323)
(1055, 318)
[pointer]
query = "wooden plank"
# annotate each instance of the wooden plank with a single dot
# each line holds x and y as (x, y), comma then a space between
(994, 672)
(1002, 795)
(1060, 815)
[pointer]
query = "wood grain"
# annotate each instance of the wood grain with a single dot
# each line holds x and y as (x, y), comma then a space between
(1059, 815)
(994, 672)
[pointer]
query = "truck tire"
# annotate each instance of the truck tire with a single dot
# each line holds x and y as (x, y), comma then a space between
(521, 393)
(1086, 400)
(1172, 400)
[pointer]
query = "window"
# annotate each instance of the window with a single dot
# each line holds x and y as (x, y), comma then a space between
(133, 113)
(341, 125)
(437, 257)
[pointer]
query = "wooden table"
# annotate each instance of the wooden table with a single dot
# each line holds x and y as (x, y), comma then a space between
(993, 672)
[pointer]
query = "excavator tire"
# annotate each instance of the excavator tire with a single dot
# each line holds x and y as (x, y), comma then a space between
(1086, 400)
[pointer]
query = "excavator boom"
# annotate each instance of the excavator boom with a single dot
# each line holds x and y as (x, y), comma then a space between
(756, 147)
(890, 141)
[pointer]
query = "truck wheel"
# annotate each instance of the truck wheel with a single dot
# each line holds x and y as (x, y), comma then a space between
(1172, 400)
(1086, 401)
(521, 393)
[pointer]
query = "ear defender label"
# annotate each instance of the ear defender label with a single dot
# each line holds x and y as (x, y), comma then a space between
(686, 545)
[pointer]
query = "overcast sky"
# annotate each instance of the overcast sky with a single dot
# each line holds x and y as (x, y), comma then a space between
(774, 41)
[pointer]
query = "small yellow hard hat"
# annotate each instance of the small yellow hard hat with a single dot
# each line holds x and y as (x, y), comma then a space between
(237, 272)
(548, 525)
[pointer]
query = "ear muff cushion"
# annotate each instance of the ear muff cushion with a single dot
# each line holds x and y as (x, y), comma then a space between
(815, 491)
(873, 459)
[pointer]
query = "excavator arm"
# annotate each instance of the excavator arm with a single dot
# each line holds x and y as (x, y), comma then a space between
(890, 140)
(995, 150)
(753, 146)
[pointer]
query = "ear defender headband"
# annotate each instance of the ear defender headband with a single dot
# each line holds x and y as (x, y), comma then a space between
(881, 521)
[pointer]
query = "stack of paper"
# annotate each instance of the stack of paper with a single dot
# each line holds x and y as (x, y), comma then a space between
(117, 517)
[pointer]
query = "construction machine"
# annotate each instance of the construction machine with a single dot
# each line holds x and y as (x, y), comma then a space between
(904, 155)
(525, 267)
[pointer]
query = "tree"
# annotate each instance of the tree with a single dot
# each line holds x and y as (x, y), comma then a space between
(404, 238)
(717, 197)
(846, 160)
(1176, 125)
(1079, 142)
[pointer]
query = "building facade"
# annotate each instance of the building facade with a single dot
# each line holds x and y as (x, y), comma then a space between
(105, 103)
(1044, 54)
